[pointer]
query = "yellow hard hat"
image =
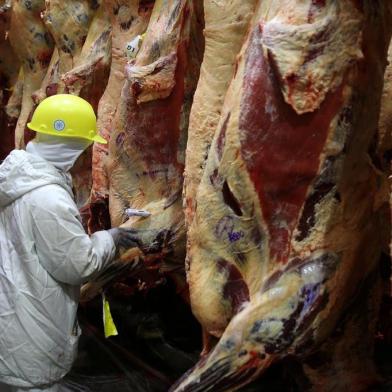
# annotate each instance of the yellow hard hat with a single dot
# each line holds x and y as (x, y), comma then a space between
(66, 115)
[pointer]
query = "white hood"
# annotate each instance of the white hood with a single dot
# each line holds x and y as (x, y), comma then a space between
(59, 151)
(21, 172)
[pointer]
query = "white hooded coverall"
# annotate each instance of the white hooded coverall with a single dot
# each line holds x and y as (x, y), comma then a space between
(45, 255)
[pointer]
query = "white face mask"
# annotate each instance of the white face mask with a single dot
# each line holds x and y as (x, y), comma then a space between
(61, 152)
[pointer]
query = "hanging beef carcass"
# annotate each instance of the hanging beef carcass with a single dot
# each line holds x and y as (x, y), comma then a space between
(381, 150)
(68, 23)
(384, 160)
(33, 45)
(88, 79)
(285, 231)
(129, 18)
(9, 66)
(384, 146)
(146, 155)
(147, 145)
(225, 26)
(89, 75)
(80, 66)
(13, 108)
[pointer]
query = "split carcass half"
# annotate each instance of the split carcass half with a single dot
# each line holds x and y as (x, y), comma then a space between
(80, 65)
(9, 67)
(384, 155)
(147, 145)
(226, 24)
(147, 148)
(88, 79)
(285, 230)
(33, 45)
(385, 124)
(128, 19)
(68, 22)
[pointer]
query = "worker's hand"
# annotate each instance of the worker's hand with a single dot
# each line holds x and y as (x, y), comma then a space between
(125, 238)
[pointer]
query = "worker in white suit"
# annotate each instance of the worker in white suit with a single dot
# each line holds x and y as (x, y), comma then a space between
(45, 254)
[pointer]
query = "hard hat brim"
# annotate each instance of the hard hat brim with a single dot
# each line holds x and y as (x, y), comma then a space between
(96, 138)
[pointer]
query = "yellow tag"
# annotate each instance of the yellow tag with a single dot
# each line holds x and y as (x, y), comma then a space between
(108, 323)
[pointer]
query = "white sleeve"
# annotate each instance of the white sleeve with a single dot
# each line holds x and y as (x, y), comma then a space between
(63, 247)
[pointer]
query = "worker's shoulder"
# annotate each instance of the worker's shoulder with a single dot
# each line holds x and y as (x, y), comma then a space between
(49, 197)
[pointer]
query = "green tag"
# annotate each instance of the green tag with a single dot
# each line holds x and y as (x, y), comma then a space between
(108, 323)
